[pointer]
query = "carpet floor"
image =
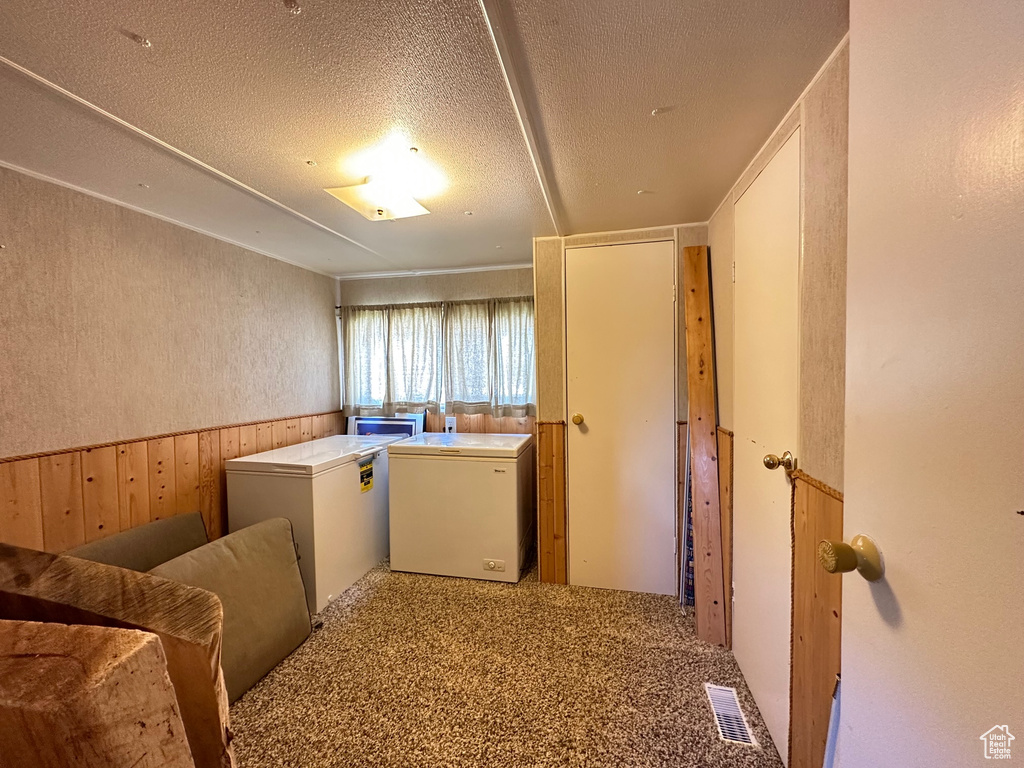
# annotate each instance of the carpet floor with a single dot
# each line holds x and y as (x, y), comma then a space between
(411, 671)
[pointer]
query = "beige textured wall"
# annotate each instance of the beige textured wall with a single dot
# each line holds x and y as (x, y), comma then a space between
(825, 132)
(457, 286)
(550, 300)
(549, 324)
(117, 325)
(822, 116)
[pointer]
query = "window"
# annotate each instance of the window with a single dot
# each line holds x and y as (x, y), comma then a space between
(472, 357)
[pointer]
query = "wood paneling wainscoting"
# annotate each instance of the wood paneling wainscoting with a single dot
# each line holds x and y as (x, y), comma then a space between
(58, 500)
(483, 422)
(552, 553)
(817, 620)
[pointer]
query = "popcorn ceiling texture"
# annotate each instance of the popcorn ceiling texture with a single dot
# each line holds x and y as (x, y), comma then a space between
(117, 326)
(255, 91)
(411, 670)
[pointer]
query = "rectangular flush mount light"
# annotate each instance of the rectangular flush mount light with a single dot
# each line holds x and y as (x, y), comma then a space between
(377, 204)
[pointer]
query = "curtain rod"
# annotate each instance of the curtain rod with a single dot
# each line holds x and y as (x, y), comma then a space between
(432, 303)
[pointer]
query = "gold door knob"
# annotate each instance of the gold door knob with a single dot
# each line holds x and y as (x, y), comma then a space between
(577, 419)
(787, 461)
(860, 555)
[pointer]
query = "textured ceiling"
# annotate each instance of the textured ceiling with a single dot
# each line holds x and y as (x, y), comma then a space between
(253, 91)
(724, 71)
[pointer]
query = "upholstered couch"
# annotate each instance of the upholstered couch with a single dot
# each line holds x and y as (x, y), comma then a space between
(226, 612)
(253, 571)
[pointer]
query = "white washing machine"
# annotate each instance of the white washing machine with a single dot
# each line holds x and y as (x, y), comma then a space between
(334, 491)
(462, 504)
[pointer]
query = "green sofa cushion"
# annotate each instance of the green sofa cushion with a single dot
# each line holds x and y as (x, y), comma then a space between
(255, 573)
(144, 548)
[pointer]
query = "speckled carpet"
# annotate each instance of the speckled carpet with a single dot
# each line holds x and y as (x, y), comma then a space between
(412, 671)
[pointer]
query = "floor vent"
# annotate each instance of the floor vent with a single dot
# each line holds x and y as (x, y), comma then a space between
(732, 725)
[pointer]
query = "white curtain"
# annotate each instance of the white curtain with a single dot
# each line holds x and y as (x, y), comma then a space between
(475, 357)
(468, 357)
(364, 357)
(414, 357)
(515, 383)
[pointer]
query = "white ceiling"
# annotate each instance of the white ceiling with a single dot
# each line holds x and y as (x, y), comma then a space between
(219, 116)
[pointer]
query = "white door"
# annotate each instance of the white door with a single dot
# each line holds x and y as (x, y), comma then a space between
(767, 253)
(933, 654)
(620, 377)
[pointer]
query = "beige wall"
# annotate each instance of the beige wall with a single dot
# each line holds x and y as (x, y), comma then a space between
(549, 308)
(116, 325)
(456, 286)
(549, 297)
(933, 655)
(822, 116)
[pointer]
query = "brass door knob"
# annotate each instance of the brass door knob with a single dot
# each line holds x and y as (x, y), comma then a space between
(787, 461)
(577, 419)
(861, 555)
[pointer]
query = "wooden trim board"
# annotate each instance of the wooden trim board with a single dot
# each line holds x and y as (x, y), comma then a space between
(725, 483)
(709, 583)
(552, 553)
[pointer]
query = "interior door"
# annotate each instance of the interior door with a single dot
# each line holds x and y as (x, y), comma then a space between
(620, 379)
(767, 253)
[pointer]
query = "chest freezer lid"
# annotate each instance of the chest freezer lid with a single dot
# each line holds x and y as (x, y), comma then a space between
(469, 445)
(313, 456)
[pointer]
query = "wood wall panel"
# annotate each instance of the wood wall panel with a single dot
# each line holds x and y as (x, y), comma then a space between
(264, 437)
(293, 432)
(552, 554)
(133, 483)
(162, 500)
(248, 440)
(210, 491)
(279, 434)
(305, 429)
(229, 443)
(99, 492)
(60, 484)
(186, 474)
(817, 620)
(21, 516)
(317, 427)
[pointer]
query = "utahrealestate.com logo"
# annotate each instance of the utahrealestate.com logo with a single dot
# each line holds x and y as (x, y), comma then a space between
(997, 742)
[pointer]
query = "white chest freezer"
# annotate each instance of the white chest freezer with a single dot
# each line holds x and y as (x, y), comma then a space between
(462, 504)
(334, 491)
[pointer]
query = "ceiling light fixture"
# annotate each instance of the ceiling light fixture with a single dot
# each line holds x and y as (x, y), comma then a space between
(311, 163)
(468, 213)
(394, 176)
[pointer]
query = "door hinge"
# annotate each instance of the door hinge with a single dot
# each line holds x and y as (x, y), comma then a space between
(734, 271)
